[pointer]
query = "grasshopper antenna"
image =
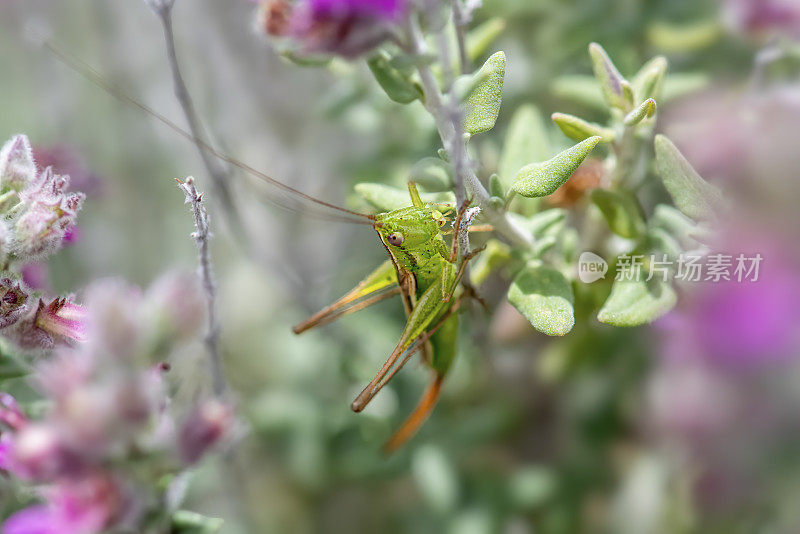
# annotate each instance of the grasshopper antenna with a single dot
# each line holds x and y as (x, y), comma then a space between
(87, 72)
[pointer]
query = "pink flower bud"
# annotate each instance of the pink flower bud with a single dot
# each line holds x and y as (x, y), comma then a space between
(206, 426)
(63, 318)
(36, 453)
(13, 302)
(11, 414)
(50, 211)
(177, 302)
(115, 318)
(17, 168)
(347, 28)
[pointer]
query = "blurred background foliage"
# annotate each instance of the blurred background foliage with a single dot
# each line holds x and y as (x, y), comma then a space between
(533, 434)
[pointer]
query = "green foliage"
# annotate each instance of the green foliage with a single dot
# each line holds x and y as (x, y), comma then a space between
(578, 129)
(621, 211)
(386, 198)
(645, 110)
(526, 141)
(542, 179)
(432, 174)
(637, 302)
(612, 84)
(483, 103)
(692, 195)
(398, 84)
(544, 296)
(186, 522)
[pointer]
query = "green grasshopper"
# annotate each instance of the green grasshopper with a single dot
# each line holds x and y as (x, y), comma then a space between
(421, 268)
(426, 272)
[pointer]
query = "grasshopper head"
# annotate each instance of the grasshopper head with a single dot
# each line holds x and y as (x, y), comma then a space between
(409, 227)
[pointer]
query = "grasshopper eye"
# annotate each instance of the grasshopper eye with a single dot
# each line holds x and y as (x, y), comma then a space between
(395, 239)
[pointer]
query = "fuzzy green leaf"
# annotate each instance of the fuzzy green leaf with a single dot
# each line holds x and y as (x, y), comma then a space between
(645, 110)
(495, 256)
(483, 104)
(526, 141)
(611, 81)
(649, 81)
(543, 222)
(681, 84)
(542, 179)
(621, 211)
(545, 298)
(636, 302)
(387, 198)
(692, 195)
(578, 129)
(480, 38)
(581, 89)
(187, 522)
(675, 223)
(432, 174)
(397, 85)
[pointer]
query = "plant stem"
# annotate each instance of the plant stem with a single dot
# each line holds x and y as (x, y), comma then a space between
(460, 20)
(455, 145)
(220, 178)
(202, 236)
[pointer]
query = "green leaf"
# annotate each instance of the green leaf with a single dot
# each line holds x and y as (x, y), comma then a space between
(578, 129)
(11, 365)
(581, 89)
(645, 110)
(436, 478)
(304, 60)
(9, 369)
(681, 38)
(495, 256)
(611, 81)
(660, 240)
(483, 104)
(675, 223)
(636, 302)
(649, 81)
(621, 211)
(432, 174)
(542, 179)
(387, 198)
(186, 522)
(681, 84)
(541, 222)
(397, 85)
(545, 298)
(480, 38)
(692, 195)
(526, 141)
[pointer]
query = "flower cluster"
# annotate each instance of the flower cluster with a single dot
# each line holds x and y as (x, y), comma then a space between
(36, 214)
(347, 28)
(111, 434)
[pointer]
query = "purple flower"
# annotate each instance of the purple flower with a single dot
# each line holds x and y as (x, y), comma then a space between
(83, 506)
(13, 302)
(764, 16)
(11, 414)
(740, 325)
(36, 453)
(64, 160)
(347, 28)
(62, 318)
(205, 427)
(16, 163)
(50, 211)
(177, 302)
